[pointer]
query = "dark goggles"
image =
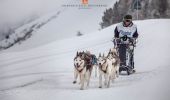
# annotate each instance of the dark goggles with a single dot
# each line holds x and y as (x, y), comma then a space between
(128, 20)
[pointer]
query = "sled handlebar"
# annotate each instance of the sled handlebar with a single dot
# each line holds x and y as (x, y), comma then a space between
(125, 40)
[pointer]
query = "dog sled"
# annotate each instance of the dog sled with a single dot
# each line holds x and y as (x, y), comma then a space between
(125, 47)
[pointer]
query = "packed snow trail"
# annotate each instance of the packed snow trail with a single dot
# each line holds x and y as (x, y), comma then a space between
(46, 72)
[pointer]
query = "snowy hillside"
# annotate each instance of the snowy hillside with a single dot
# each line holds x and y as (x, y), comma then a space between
(46, 72)
(68, 21)
(16, 13)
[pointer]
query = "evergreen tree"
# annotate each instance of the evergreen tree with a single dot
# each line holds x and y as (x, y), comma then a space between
(148, 9)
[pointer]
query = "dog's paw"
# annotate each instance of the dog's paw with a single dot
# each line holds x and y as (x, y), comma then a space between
(105, 83)
(108, 86)
(113, 80)
(100, 86)
(117, 76)
(74, 82)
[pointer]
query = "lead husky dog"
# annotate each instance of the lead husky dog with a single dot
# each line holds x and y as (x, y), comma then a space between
(108, 67)
(82, 68)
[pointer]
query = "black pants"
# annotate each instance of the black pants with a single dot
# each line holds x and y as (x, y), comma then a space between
(124, 50)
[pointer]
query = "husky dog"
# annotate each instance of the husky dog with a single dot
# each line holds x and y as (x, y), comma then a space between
(103, 69)
(108, 67)
(113, 54)
(82, 68)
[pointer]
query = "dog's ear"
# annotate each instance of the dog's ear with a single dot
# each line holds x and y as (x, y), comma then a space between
(107, 54)
(110, 50)
(83, 52)
(103, 54)
(100, 55)
(116, 54)
(83, 56)
(77, 53)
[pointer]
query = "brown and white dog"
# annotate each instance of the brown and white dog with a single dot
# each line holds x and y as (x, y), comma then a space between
(82, 68)
(108, 67)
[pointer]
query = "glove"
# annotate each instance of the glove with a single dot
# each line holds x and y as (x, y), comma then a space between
(134, 41)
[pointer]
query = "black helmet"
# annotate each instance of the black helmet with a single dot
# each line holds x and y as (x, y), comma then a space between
(126, 17)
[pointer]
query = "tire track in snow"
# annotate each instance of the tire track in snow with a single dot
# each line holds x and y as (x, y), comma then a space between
(21, 86)
(26, 74)
(30, 83)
